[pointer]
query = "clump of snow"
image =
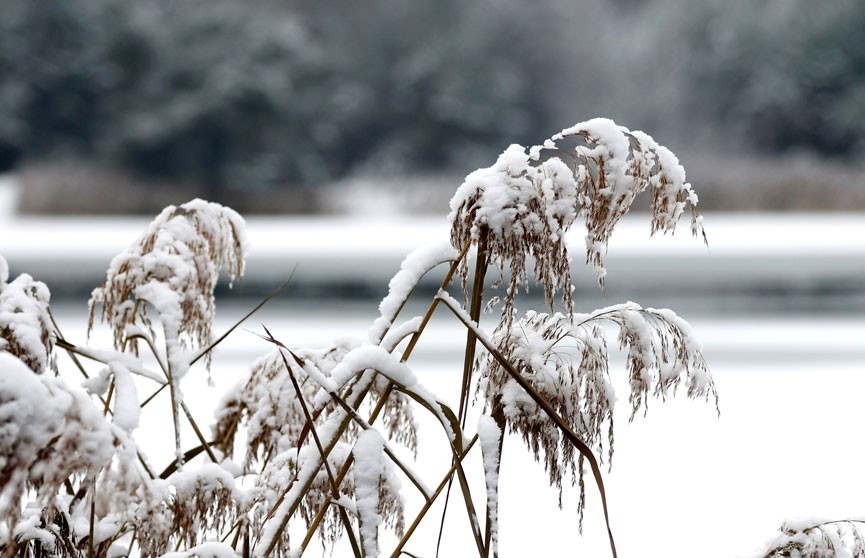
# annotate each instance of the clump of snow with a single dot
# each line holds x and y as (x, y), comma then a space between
(127, 409)
(375, 357)
(48, 431)
(396, 334)
(490, 435)
(412, 269)
(25, 323)
(818, 538)
(368, 471)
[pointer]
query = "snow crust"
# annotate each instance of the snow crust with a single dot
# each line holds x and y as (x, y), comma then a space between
(377, 358)
(38, 412)
(25, 324)
(489, 435)
(368, 471)
(412, 269)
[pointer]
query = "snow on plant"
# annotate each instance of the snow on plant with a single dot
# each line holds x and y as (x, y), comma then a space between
(173, 267)
(205, 500)
(268, 407)
(556, 367)
(523, 205)
(565, 358)
(490, 436)
(818, 539)
(312, 429)
(25, 324)
(266, 403)
(49, 432)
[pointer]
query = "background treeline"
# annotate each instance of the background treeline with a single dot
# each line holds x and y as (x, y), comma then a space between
(290, 94)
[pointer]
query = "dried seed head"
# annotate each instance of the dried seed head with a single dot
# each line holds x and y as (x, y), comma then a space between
(524, 204)
(612, 167)
(569, 369)
(519, 208)
(25, 322)
(205, 503)
(267, 405)
(50, 432)
(173, 267)
(819, 539)
(565, 359)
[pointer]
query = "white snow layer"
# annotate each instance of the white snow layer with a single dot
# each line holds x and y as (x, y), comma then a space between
(368, 471)
(39, 412)
(412, 269)
(489, 435)
(25, 325)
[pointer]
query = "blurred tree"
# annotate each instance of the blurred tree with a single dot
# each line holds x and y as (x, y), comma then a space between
(782, 75)
(265, 93)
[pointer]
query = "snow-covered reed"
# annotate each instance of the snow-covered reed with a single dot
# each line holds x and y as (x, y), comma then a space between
(307, 438)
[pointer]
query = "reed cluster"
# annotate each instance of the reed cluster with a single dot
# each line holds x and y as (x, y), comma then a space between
(308, 436)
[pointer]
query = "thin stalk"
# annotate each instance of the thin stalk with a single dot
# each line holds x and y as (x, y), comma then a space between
(235, 528)
(474, 314)
(382, 400)
(257, 307)
(470, 508)
(59, 336)
(557, 419)
(107, 408)
(153, 395)
(334, 487)
(469, 355)
(132, 540)
(198, 432)
(90, 550)
(236, 538)
(429, 503)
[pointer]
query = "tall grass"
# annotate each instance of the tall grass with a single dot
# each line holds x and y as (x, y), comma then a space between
(309, 436)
